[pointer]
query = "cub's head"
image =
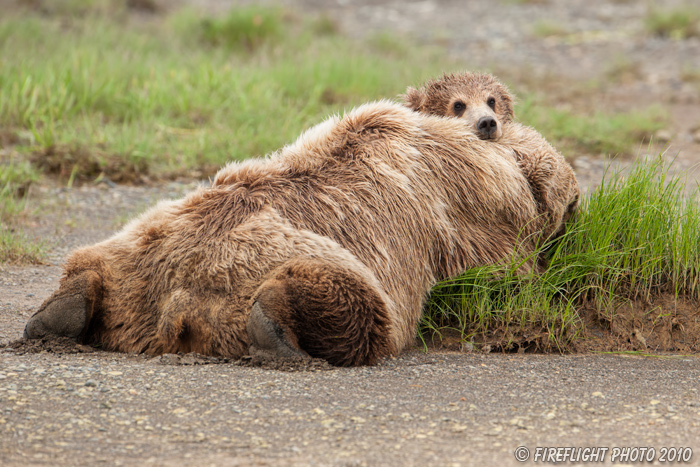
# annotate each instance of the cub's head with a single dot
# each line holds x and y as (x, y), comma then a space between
(477, 98)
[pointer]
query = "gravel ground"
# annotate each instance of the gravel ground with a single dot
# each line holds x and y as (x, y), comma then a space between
(419, 409)
(434, 409)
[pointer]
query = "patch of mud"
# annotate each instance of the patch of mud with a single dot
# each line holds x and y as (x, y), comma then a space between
(65, 160)
(65, 345)
(503, 339)
(285, 364)
(663, 324)
(450, 340)
(188, 359)
(258, 360)
(55, 345)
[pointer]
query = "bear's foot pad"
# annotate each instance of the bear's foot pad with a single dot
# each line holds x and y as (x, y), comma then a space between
(64, 316)
(268, 339)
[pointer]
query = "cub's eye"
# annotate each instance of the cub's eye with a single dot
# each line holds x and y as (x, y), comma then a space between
(491, 103)
(459, 106)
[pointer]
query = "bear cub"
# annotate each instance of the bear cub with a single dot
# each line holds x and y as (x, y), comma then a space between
(486, 106)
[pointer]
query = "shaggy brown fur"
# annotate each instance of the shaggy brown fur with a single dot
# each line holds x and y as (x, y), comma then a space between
(327, 247)
(486, 105)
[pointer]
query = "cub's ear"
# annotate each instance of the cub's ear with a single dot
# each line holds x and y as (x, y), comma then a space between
(413, 99)
(507, 100)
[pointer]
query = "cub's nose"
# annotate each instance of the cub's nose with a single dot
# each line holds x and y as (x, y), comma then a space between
(487, 127)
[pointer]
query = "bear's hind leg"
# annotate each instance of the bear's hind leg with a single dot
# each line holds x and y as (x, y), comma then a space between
(316, 307)
(69, 310)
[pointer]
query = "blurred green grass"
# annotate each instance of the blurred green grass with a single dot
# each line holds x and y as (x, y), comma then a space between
(184, 94)
(595, 132)
(678, 22)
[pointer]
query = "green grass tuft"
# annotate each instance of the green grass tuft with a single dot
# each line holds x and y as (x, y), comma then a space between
(676, 23)
(15, 245)
(245, 28)
(635, 237)
(390, 44)
(324, 25)
(546, 28)
(18, 248)
(15, 179)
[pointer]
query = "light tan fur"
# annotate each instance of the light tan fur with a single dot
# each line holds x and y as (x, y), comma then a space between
(466, 96)
(334, 242)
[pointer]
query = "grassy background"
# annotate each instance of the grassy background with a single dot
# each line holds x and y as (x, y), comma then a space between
(87, 91)
(182, 95)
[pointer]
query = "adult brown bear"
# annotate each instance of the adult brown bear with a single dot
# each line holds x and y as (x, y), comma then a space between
(328, 247)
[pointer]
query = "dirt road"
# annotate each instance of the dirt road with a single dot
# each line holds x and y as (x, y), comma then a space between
(420, 409)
